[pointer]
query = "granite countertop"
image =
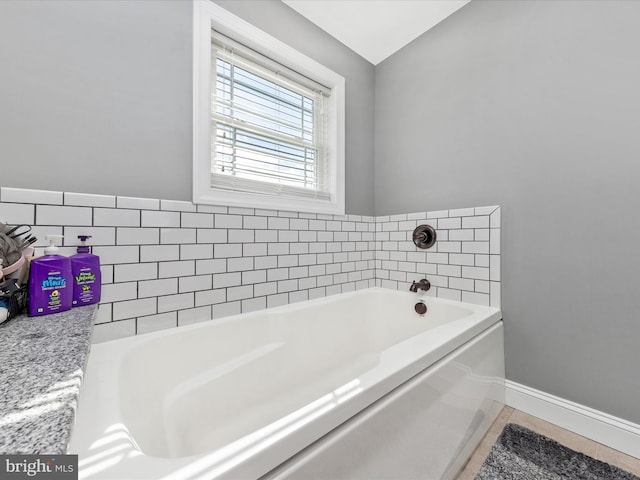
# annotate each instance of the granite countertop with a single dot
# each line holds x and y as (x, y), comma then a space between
(42, 360)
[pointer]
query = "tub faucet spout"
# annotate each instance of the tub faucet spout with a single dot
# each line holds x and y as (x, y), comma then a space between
(423, 284)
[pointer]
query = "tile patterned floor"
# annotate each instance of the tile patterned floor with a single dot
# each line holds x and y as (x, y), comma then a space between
(565, 437)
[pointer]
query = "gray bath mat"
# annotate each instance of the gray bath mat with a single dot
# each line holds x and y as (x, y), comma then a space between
(522, 454)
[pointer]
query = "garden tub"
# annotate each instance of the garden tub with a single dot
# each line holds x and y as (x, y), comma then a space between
(350, 386)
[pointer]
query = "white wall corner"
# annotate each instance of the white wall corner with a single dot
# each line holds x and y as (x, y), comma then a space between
(600, 427)
(496, 218)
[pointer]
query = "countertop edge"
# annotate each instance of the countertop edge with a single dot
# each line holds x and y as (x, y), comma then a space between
(43, 362)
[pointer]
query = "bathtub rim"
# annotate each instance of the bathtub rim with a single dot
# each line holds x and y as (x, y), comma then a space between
(149, 336)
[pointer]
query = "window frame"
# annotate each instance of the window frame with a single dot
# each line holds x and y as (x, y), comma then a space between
(208, 16)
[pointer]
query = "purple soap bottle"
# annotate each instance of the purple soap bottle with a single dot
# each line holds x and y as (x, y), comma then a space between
(50, 282)
(87, 280)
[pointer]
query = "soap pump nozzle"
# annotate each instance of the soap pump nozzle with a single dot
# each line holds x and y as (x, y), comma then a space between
(83, 247)
(52, 249)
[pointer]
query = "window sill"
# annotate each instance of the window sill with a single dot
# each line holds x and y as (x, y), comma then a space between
(254, 200)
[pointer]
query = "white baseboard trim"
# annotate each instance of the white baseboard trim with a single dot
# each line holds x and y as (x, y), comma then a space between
(598, 426)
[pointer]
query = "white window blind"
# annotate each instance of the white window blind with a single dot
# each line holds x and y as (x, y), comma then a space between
(269, 126)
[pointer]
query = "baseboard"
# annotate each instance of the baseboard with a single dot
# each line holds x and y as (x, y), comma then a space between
(601, 427)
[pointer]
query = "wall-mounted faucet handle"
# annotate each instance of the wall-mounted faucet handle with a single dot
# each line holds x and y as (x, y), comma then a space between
(424, 236)
(423, 284)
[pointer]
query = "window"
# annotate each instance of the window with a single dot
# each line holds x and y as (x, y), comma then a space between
(268, 121)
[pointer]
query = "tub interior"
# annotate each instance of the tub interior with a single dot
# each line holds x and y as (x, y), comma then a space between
(211, 385)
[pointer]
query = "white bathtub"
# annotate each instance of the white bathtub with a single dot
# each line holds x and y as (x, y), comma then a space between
(311, 390)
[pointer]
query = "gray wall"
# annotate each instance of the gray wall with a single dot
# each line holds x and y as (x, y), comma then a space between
(95, 96)
(534, 106)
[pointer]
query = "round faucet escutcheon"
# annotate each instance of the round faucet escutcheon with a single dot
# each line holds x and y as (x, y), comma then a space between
(424, 236)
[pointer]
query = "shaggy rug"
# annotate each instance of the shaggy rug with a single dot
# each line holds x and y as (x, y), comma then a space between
(522, 454)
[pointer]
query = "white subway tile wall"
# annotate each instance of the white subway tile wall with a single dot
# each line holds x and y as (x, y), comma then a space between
(168, 263)
(464, 263)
